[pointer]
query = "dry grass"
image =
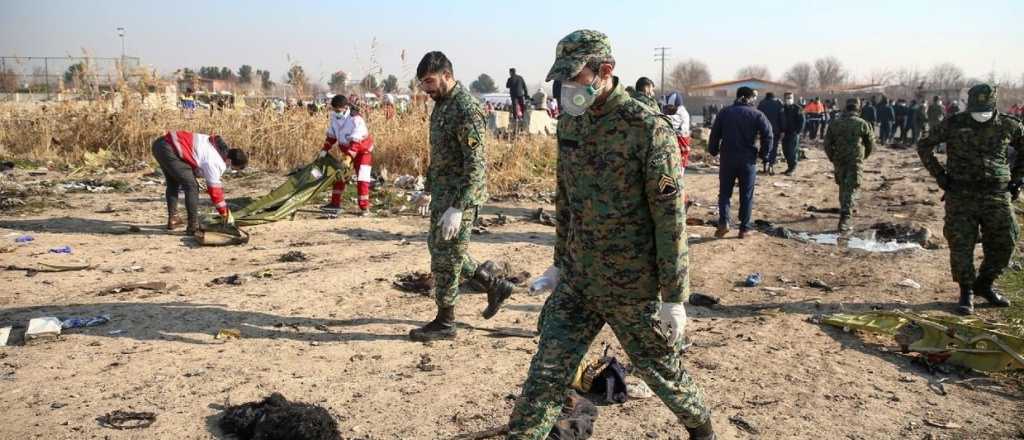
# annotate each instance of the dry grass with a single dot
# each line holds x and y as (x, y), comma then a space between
(65, 133)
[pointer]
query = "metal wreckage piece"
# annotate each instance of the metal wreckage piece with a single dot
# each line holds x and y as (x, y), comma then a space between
(283, 202)
(967, 342)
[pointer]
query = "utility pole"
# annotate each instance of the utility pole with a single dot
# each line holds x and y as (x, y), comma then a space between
(660, 54)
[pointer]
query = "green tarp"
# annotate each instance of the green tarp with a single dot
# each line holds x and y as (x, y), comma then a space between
(968, 342)
(300, 188)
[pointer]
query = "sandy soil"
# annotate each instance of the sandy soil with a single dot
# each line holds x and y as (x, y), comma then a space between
(333, 330)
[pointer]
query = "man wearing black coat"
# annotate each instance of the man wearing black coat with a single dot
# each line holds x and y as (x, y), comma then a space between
(772, 109)
(886, 117)
(792, 126)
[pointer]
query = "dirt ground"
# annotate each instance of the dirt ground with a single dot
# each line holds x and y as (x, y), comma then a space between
(333, 330)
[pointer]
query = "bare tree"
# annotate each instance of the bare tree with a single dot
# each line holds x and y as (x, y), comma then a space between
(689, 73)
(830, 72)
(754, 71)
(884, 76)
(946, 76)
(801, 75)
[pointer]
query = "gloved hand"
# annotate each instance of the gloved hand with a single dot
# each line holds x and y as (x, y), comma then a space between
(228, 219)
(1015, 187)
(673, 321)
(422, 201)
(321, 154)
(545, 282)
(451, 221)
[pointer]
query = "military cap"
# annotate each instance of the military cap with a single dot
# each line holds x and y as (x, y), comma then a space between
(981, 98)
(575, 50)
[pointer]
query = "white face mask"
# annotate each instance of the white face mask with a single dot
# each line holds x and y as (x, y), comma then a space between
(576, 99)
(789, 101)
(982, 117)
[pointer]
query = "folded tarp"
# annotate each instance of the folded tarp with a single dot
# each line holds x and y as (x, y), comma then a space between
(302, 187)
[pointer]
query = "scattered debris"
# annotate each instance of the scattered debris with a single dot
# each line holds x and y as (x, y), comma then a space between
(5, 334)
(293, 257)
(229, 334)
(638, 389)
(943, 425)
(543, 218)
(108, 210)
(234, 280)
(743, 425)
(960, 341)
(127, 420)
(703, 300)
(819, 284)
(415, 282)
(42, 329)
(24, 239)
(96, 186)
(61, 250)
(768, 228)
(275, 418)
(43, 267)
(753, 280)
(498, 220)
(907, 282)
(813, 208)
(73, 322)
(426, 363)
(155, 286)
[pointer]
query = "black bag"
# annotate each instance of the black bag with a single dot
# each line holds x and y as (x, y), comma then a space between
(611, 381)
(576, 421)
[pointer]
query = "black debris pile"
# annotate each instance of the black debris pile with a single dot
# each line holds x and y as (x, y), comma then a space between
(415, 282)
(275, 418)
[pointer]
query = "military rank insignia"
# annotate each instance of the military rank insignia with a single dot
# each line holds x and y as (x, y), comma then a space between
(667, 186)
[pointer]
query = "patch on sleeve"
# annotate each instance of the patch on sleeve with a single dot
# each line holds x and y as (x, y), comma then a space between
(667, 186)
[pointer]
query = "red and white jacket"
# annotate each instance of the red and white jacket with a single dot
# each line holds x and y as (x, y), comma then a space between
(350, 134)
(199, 152)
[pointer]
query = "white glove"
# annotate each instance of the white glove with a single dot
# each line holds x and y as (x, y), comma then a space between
(673, 321)
(451, 221)
(422, 201)
(321, 154)
(545, 282)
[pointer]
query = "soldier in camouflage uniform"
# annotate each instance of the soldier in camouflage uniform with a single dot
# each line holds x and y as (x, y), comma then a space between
(457, 185)
(644, 94)
(978, 180)
(848, 142)
(620, 249)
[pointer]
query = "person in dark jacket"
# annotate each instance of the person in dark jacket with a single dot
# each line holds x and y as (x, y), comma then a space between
(792, 126)
(902, 123)
(733, 134)
(772, 109)
(869, 114)
(886, 117)
(516, 86)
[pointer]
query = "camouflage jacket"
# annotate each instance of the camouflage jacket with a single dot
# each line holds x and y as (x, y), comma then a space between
(647, 101)
(621, 227)
(976, 153)
(457, 173)
(849, 140)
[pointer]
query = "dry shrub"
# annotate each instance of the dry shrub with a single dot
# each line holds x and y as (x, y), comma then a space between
(66, 132)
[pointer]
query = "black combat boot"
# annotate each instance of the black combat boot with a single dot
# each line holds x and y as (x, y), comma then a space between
(983, 288)
(498, 289)
(702, 432)
(844, 222)
(966, 304)
(442, 327)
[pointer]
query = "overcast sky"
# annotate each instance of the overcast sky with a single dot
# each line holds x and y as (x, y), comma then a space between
(490, 36)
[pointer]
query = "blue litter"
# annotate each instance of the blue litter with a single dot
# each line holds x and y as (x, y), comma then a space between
(753, 280)
(24, 239)
(61, 250)
(66, 323)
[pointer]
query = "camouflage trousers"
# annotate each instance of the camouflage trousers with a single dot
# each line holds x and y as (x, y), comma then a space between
(968, 214)
(449, 259)
(568, 324)
(848, 177)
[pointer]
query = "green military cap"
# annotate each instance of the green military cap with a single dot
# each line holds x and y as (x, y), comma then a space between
(575, 50)
(981, 98)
